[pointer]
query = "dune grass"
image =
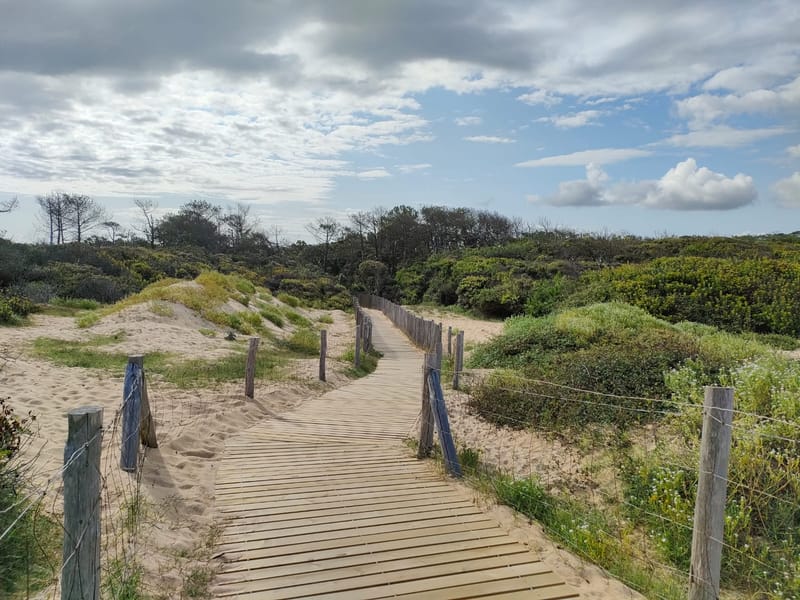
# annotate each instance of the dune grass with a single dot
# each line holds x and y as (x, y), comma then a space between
(183, 373)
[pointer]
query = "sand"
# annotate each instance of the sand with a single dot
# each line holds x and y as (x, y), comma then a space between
(175, 539)
(177, 478)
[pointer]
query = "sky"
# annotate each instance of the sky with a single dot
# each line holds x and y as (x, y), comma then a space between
(648, 118)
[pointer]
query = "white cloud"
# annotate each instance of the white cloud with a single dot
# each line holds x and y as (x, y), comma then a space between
(413, 168)
(579, 119)
(538, 97)
(374, 174)
(489, 139)
(468, 121)
(600, 156)
(687, 187)
(787, 191)
(794, 151)
(684, 187)
(745, 78)
(704, 109)
(723, 137)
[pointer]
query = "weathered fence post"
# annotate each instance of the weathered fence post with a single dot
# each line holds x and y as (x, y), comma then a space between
(433, 362)
(458, 364)
(426, 414)
(80, 575)
(449, 340)
(709, 511)
(357, 354)
(131, 415)
(147, 426)
(323, 350)
(250, 371)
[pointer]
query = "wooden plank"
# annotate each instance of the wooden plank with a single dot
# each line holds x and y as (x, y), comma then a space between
(299, 535)
(539, 587)
(347, 513)
(515, 577)
(302, 525)
(319, 562)
(365, 576)
(291, 546)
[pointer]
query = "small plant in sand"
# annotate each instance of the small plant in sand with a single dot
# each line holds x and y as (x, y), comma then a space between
(368, 362)
(289, 300)
(296, 319)
(32, 538)
(326, 319)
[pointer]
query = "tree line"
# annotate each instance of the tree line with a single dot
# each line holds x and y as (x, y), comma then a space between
(368, 247)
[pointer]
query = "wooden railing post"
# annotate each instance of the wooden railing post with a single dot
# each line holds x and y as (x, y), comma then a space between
(131, 414)
(458, 363)
(250, 370)
(323, 350)
(449, 340)
(80, 575)
(426, 414)
(709, 512)
(357, 354)
(147, 425)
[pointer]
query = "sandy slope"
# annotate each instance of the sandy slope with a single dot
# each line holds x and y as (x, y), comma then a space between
(177, 480)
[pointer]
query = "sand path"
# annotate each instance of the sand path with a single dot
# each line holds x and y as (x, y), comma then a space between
(327, 501)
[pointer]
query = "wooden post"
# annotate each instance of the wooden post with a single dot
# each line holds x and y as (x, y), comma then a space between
(250, 371)
(458, 363)
(147, 426)
(357, 356)
(449, 340)
(80, 574)
(131, 414)
(709, 511)
(323, 349)
(426, 415)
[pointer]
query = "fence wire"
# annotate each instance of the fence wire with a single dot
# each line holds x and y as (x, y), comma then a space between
(614, 478)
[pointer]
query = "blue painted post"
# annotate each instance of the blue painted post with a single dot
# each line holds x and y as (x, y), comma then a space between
(131, 415)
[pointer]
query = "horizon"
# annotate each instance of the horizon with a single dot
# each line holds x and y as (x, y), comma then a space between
(630, 119)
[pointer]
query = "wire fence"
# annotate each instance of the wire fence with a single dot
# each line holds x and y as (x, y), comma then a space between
(615, 479)
(44, 556)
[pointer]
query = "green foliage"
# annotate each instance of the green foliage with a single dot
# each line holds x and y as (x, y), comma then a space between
(589, 532)
(182, 373)
(273, 314)
(76, 303)
(326, 319)
(33, 539)
(289, 300)
(304, 342)
(611, 349)
(13, 309)
(736, 295)
(86, 320)
(367, 364)
(196, 583)
(297, 319)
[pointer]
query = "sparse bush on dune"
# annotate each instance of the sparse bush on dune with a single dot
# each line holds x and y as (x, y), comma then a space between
(608, 348)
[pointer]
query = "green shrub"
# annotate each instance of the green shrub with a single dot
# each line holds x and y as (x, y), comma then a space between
(304, 342)
(326, 319)
(737, 295)
(272, 314)
(14, 308)
(297, 319)
(76, 303)
(289, 300)
(29, 548)
(367, 364)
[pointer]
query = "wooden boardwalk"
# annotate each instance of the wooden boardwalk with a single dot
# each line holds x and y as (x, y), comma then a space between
(327, 502)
